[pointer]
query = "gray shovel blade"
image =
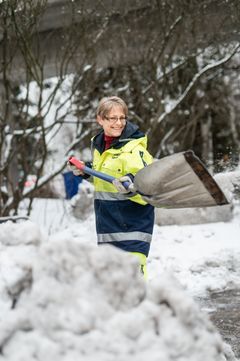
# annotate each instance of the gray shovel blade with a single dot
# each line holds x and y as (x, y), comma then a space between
(179, 181)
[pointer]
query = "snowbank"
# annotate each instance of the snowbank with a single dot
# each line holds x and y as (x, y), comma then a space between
(205, 258)
(68, 300)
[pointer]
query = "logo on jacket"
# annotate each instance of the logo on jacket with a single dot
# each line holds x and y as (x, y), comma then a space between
(115, 156)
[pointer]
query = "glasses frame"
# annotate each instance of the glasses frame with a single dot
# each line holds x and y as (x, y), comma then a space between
(114, 120)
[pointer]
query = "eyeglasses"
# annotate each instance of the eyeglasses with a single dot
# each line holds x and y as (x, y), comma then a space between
(115, 119)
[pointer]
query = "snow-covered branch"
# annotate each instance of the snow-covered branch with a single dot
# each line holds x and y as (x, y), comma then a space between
(163, 141)
(195, 79)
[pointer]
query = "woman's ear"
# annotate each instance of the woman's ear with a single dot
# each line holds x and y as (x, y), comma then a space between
(100, 120)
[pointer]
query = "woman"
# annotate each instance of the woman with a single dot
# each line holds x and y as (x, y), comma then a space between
(123, 218)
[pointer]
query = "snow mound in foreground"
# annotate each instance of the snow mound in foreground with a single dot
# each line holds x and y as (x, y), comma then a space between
(68, 301)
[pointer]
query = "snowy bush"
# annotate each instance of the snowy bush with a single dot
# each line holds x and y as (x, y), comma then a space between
(230, 183)
(82, 202)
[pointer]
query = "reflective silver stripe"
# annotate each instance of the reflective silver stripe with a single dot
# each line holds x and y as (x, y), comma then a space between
(128, 236)
(126, 140)
(110, 196)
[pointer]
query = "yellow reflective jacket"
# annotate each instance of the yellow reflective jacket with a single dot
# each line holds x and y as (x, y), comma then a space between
(125, 221)
(130, 158)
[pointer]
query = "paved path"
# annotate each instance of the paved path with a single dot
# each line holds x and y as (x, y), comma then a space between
(224, 312)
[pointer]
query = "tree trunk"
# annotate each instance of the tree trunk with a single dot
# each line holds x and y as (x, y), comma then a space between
(207, 142)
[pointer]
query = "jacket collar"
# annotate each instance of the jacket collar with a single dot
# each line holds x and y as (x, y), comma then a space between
(130, 132)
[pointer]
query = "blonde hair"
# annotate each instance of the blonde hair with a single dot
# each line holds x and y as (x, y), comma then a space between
(106, 104)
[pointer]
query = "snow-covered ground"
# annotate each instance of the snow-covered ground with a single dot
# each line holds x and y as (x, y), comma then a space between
(64, 298)
(203, 257)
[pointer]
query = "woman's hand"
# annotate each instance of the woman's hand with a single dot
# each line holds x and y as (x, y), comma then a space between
(74, 169)
(118, 183)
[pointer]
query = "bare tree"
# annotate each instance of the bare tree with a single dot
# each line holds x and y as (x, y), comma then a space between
(25, 132)
(171, 91)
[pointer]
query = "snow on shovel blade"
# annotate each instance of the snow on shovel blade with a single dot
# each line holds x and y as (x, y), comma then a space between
(179, 181)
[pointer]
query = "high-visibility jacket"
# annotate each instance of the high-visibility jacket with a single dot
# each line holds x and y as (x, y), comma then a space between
(125, 221)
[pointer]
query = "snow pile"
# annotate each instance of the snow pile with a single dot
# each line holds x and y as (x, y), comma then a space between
(18, 252)
(67, 300)
(187, 216)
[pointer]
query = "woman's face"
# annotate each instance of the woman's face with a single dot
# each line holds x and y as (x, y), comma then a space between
(114, 122)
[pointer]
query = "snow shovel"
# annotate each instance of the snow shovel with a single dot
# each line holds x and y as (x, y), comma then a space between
(177, 181)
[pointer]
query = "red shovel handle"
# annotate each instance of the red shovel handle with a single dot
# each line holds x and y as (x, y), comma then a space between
(106, 177)
(80, 165)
